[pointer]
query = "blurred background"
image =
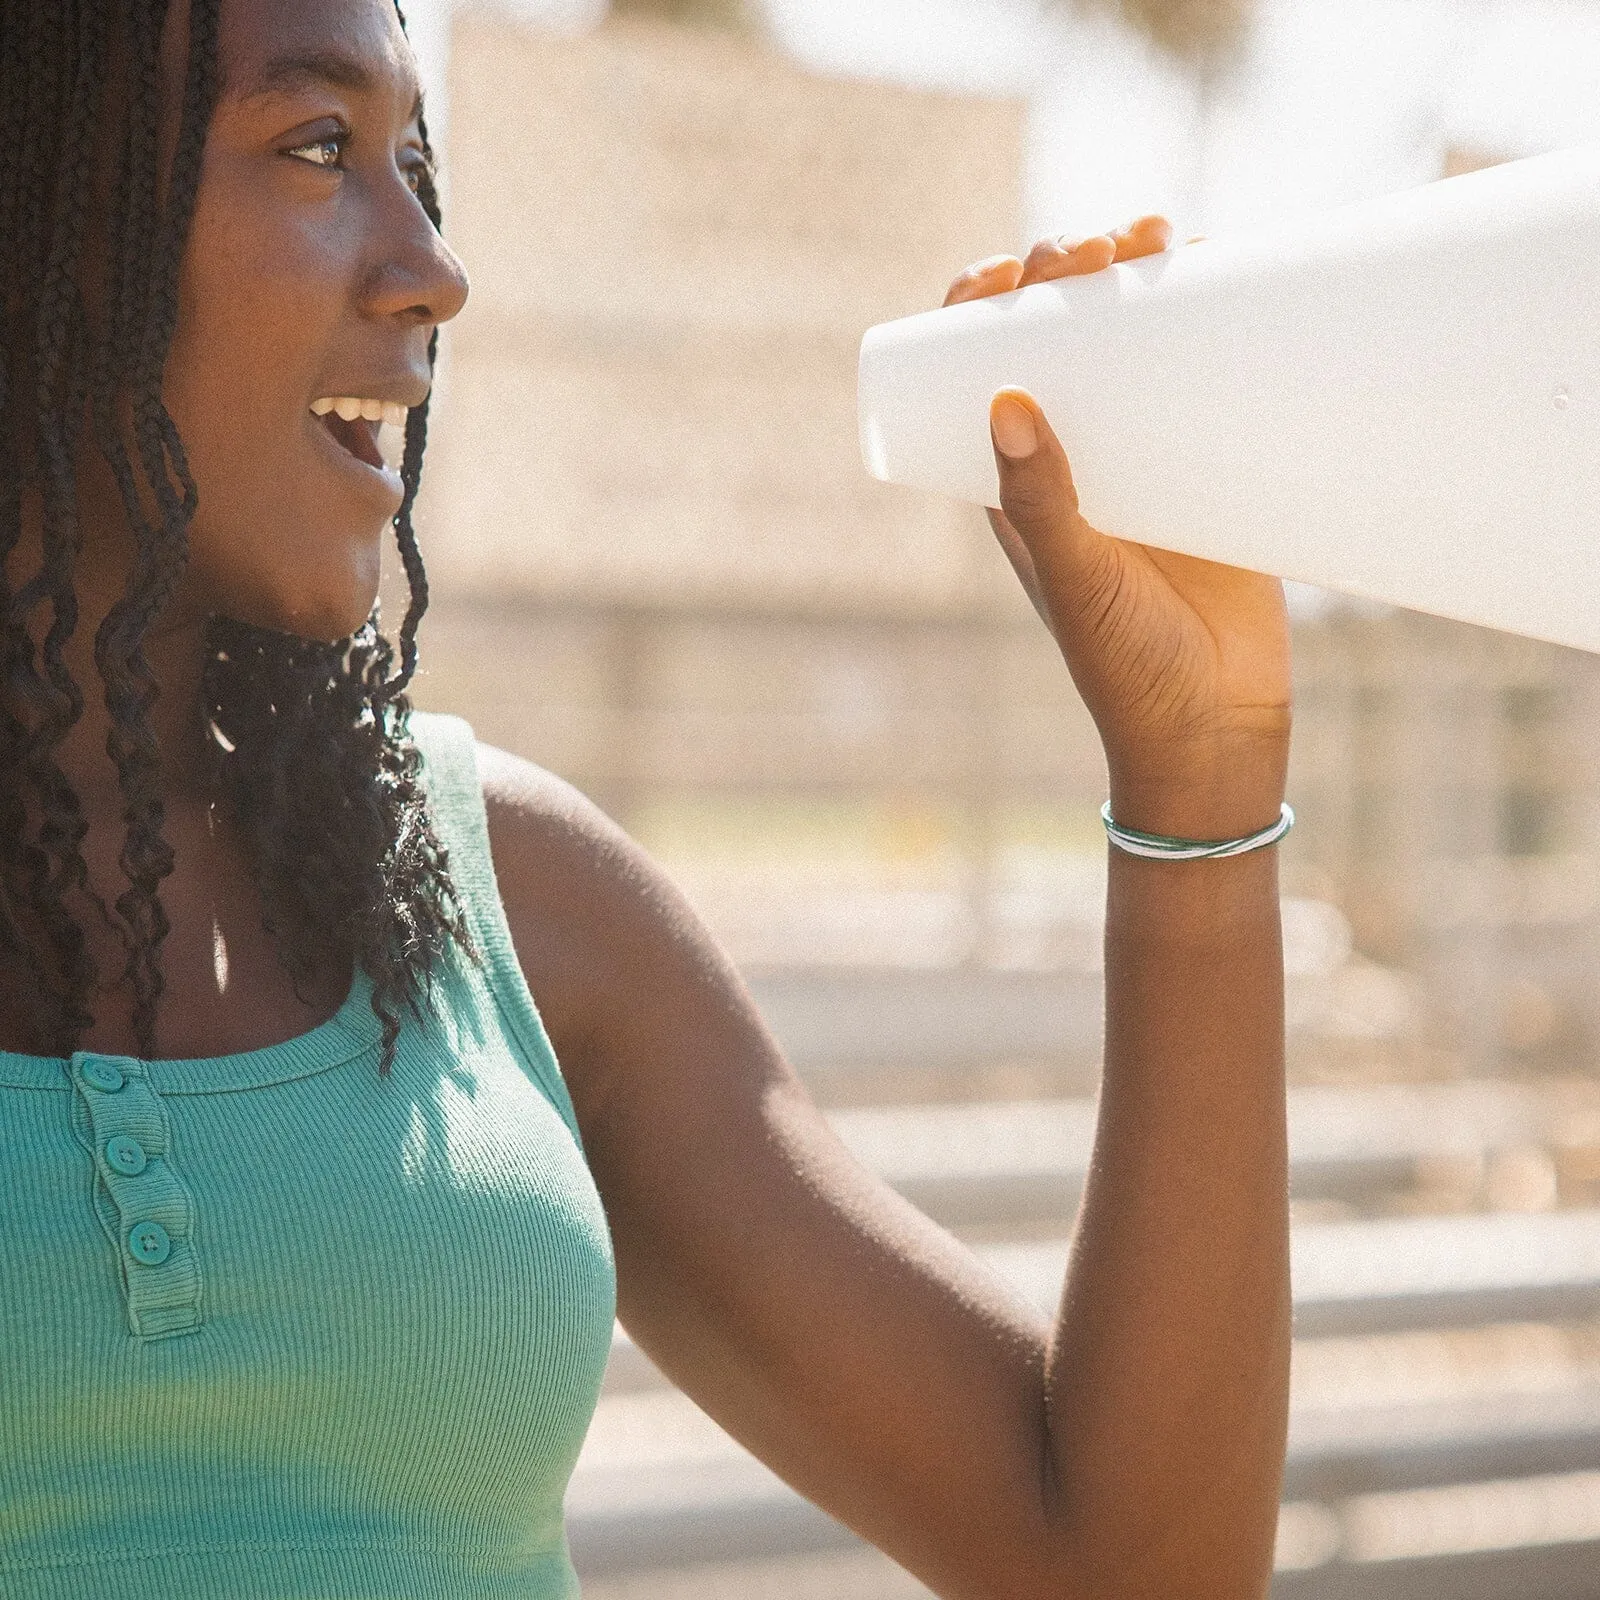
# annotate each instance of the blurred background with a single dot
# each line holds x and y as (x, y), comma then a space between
(660, 569)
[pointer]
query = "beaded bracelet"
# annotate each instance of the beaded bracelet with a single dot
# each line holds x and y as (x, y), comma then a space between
(1158, 846)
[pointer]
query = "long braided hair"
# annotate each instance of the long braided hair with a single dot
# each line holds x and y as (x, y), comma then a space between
(311, 750)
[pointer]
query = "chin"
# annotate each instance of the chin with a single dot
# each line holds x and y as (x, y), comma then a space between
(326, 601)
(326, 618)
(328, 623)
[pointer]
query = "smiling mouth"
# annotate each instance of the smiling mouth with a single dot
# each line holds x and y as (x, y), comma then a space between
(358, 438)
(354, 423)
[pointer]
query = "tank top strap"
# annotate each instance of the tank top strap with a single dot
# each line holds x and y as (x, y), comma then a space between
(455, 801)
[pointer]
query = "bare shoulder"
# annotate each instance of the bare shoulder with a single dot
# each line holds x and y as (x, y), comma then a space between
(553, 845)
(537, 820)
(597, 925)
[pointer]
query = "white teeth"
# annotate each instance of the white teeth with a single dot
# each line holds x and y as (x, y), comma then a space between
(349, 407)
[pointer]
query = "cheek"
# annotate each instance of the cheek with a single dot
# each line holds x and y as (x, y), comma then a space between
(270, 543)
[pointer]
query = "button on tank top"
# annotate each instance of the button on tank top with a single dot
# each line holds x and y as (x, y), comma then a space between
(276, 1327)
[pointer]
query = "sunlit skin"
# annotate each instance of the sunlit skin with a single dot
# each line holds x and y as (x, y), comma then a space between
(313, 272)
(1132, 1448)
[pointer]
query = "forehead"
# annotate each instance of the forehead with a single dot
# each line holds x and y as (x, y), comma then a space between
(269, 44)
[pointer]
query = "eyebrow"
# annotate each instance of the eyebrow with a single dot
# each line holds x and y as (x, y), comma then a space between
(315, 68)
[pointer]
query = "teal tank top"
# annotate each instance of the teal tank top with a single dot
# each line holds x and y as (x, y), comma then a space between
(275, 1327)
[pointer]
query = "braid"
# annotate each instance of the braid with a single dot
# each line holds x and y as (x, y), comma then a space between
(61, 66)
(411, 461)
(130, 686)
(313, 756)
(406, 538)
(62, 383)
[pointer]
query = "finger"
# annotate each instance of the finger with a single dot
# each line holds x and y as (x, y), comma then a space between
(1040, 499)
(1021, 562)
(994, 275)
(1067, 257)
(1145, 236)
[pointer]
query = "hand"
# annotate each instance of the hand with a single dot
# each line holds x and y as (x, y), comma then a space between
(1183, 663)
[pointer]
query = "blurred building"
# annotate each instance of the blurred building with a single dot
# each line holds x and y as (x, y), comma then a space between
(660, 569)
(675, 238)
(1447, 778)
(658, 564)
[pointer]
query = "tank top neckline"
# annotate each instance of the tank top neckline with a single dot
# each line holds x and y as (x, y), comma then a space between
(353, 1030)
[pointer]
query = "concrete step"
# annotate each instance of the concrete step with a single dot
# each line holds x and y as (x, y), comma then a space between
(1534, 1537)
(1537, 1564)
(1380, 1276)
(927, 1013)
(662, 1494)
(854, 1573)
(928, 1018)
(1390, 1274)
(1384, 1449)
(979, 1165)
(662, 1487)
(1537, 1570)
(1374, 1420)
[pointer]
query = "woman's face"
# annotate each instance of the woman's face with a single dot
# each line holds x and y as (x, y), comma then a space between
(312, 274)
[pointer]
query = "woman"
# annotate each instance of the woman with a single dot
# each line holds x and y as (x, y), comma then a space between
(312, 1249)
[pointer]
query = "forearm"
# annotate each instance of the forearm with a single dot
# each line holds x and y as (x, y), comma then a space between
(1168, 1372)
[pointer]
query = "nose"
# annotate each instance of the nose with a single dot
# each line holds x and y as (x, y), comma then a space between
(418, 278)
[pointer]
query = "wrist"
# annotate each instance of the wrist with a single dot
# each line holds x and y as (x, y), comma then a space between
(1204, 795)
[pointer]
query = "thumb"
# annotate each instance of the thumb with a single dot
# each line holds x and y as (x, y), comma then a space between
(1039, 497)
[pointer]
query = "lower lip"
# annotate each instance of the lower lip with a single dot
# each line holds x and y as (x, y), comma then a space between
(379, 483)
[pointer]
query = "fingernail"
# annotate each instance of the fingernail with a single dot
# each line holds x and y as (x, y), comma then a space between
(1014, 432)
(1066, 244)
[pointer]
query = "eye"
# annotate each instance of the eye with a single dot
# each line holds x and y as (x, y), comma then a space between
(417, 169)
(327, 151)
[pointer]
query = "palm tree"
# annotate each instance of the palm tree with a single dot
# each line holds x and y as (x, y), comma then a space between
(1203, 34)
(1206, 37)
(736, 14)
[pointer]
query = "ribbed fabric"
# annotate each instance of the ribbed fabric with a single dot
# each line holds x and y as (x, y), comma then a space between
(275, 1327)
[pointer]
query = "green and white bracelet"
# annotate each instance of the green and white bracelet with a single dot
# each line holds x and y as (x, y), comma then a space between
(1159, 847)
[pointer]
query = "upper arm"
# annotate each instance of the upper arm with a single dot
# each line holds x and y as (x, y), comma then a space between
(832, 1328)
